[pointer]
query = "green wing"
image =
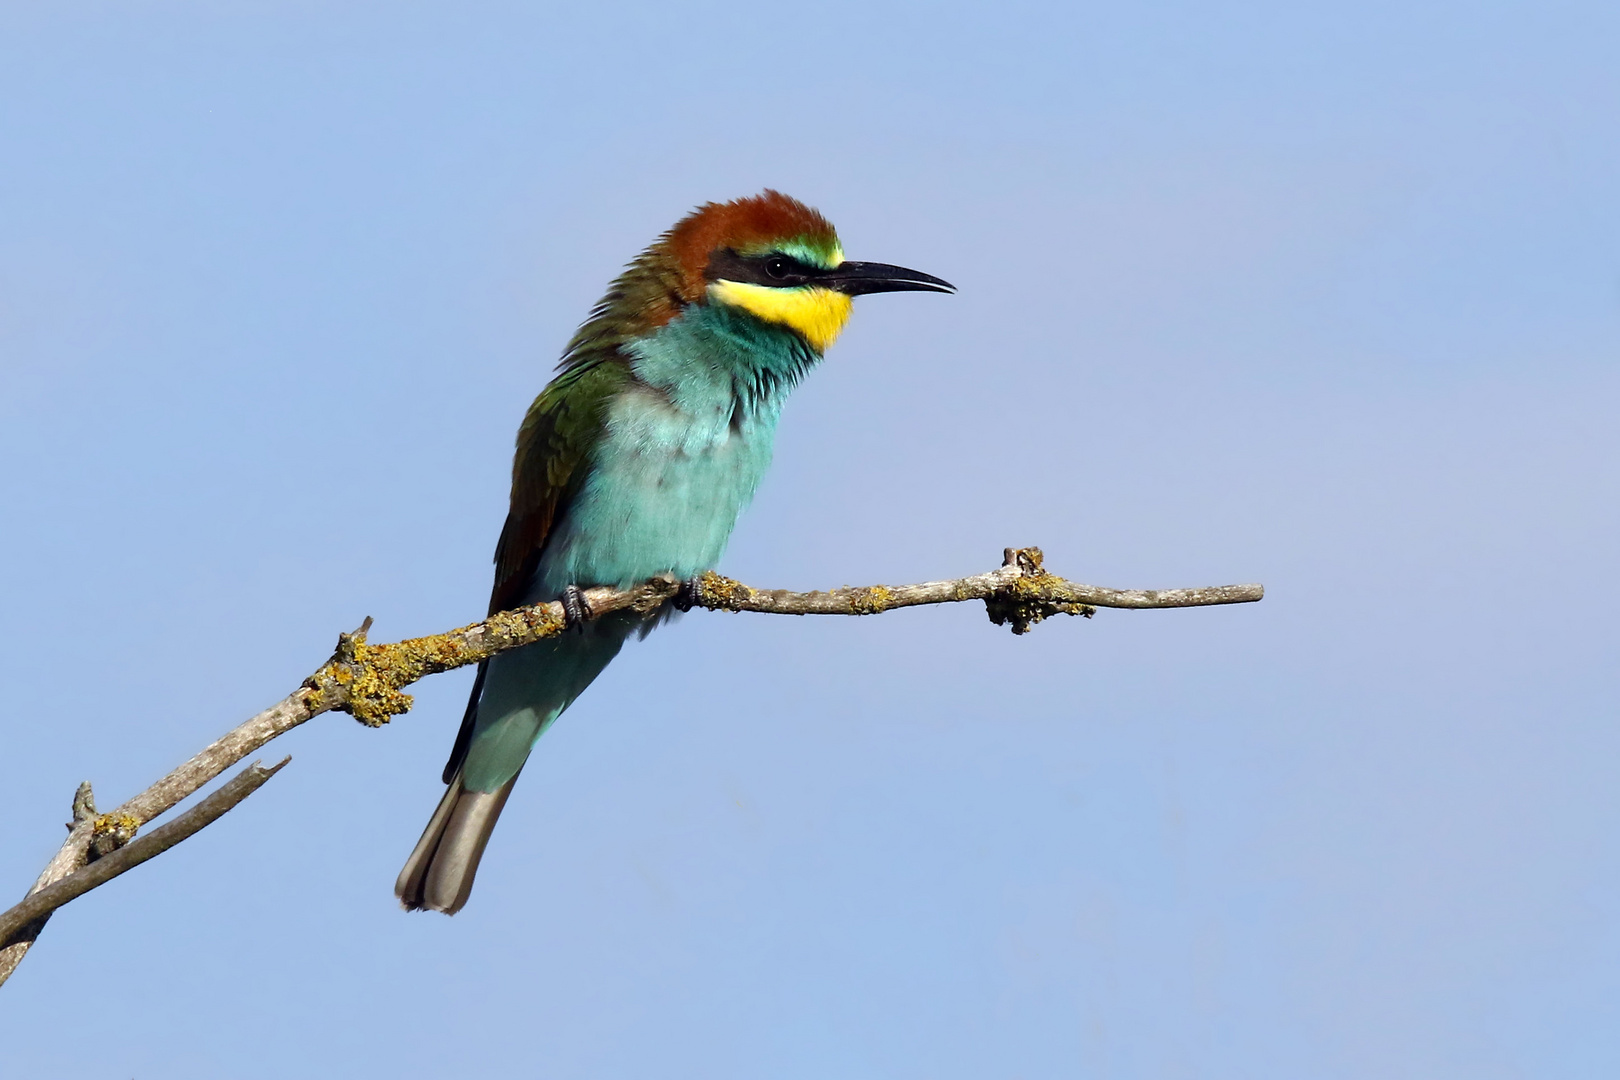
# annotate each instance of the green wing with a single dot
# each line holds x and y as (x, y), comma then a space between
(555, 442)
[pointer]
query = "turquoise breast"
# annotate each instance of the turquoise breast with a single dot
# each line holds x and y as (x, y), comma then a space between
(685, 447)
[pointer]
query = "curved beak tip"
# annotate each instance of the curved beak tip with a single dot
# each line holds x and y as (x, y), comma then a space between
(861, 278)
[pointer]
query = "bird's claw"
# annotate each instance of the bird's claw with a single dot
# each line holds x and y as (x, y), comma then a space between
(686, 597)
(576, 610)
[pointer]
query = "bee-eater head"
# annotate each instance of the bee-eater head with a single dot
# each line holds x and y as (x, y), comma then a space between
(780, 261)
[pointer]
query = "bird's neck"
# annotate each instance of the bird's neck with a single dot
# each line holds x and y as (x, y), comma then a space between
(717, 358)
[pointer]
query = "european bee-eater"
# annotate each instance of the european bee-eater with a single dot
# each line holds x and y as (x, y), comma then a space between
(635, 461)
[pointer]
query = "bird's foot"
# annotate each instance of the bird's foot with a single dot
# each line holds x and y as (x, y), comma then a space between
(576, 610)
(686, 597)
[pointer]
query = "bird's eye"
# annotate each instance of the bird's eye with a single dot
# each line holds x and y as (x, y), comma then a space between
(777, 266)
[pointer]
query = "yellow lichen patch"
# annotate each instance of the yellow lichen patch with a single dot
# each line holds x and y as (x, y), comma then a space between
(109, 823)
(366, 680)
(870, 601)
(720, 592)
(373, 683)
(1031, 586)
(109, 832)
(523, 622)
(818, 314)
(378, 671)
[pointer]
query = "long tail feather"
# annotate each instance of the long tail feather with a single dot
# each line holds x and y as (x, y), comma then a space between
(439, 874)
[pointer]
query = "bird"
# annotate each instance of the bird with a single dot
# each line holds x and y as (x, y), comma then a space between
(635, 461)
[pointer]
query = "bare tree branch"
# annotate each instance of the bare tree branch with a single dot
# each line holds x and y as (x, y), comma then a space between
(39, 905)
(367, 681)
(1020, 593)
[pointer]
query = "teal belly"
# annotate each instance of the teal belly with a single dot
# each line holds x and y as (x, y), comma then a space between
(662, 497)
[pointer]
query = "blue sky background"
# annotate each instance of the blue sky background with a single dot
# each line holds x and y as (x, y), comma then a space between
(1327, 298)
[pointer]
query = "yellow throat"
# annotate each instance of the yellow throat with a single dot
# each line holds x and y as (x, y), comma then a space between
(817, 313)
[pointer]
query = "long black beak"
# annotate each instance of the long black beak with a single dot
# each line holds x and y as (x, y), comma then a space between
(860, 278)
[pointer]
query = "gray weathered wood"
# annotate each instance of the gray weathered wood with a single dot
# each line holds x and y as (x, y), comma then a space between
(39, 905)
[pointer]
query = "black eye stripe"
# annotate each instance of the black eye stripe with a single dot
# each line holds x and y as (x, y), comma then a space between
(772, 269)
